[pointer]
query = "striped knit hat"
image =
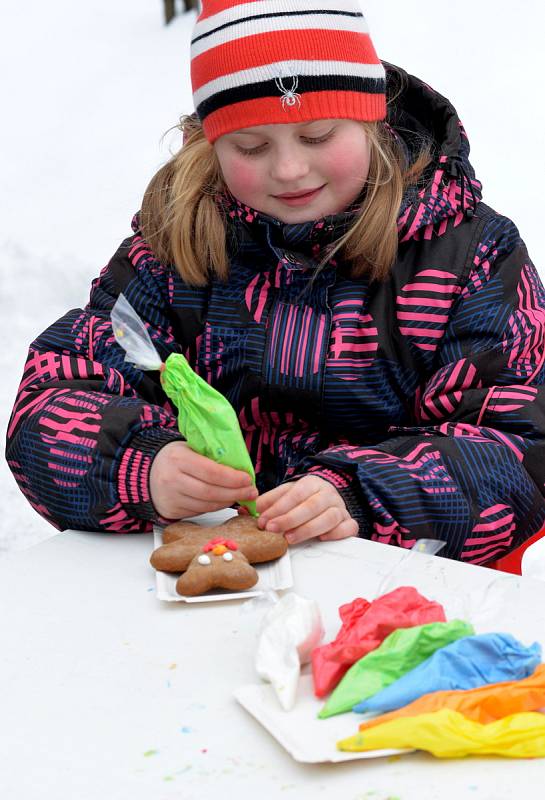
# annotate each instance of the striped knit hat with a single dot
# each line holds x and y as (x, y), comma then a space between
(256, 62)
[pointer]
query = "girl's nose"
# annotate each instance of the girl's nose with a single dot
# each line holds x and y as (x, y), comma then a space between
(289, 165)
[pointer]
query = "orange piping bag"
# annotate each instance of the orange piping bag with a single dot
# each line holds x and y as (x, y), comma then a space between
(484, 704)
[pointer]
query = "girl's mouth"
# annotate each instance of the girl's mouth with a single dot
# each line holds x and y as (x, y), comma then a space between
(300, 198)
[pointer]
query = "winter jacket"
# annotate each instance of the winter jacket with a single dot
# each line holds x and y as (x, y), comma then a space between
(420, 398)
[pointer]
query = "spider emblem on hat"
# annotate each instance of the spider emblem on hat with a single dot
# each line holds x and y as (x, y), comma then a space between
(289, 96)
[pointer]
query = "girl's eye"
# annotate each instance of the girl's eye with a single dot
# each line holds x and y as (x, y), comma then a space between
(254, 151)
(320, 139)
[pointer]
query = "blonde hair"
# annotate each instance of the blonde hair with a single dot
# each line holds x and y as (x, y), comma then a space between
(182, 223)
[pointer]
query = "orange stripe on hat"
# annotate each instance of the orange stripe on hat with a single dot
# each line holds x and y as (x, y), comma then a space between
(268, 48)
(212, 7)
(318, 105)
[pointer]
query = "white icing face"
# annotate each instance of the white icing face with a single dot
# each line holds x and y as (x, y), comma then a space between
(204, 560)
(227, 556)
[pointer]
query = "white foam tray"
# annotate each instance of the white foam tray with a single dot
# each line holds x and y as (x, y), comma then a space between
(305, 737)
(273, 575)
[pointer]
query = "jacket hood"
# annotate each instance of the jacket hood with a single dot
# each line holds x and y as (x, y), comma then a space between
(420, 116)
(417, 117)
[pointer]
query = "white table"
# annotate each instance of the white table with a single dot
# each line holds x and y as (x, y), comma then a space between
(108, 694)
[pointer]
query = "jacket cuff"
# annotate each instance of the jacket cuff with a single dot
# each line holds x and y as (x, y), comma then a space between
(134, 472)
(356, 507)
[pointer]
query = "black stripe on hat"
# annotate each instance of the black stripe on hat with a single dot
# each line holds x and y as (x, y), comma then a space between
(306, 83)
(276, 14)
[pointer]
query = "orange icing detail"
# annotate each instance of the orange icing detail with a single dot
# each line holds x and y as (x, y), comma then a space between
(219, 541)
(219, 550)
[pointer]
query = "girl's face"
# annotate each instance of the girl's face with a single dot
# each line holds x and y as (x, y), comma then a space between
(296, 172)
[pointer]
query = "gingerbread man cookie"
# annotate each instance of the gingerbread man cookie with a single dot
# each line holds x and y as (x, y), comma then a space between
(220, 565)
(218, 557)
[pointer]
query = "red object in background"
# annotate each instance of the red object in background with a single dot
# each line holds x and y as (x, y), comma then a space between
(364, 627)
(512, 561)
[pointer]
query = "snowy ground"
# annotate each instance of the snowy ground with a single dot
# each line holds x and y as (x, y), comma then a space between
(88, 89)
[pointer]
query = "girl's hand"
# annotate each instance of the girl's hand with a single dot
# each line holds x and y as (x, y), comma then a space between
(304, 509)
(184, 483)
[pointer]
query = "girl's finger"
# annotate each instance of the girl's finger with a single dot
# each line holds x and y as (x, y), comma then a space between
(183, 505)
(204, 490)
(303, 513)
(209, 471)
(328, 521)
(296, 494)
(267, 499)
(343, 531)
(299, 492)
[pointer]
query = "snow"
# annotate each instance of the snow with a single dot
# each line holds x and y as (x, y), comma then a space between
(90, 88)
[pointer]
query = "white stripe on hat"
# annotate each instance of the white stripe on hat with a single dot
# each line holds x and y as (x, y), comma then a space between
(253, 27)
(249, 10)
(286, 69)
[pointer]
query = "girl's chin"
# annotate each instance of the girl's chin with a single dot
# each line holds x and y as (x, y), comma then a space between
(307, 213)
(300, 218)
(306, 216)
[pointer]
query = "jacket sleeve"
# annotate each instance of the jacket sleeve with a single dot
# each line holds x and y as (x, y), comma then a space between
(86, 424)
(470, 470)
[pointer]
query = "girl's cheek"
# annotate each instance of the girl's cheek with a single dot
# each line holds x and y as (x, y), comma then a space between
(349, 159)
(343, 163)
(347, 164)
(243, 177)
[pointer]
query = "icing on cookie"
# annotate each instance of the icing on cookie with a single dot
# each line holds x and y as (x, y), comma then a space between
(214, 544)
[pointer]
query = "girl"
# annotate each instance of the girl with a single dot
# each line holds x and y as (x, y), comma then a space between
(319, 251)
